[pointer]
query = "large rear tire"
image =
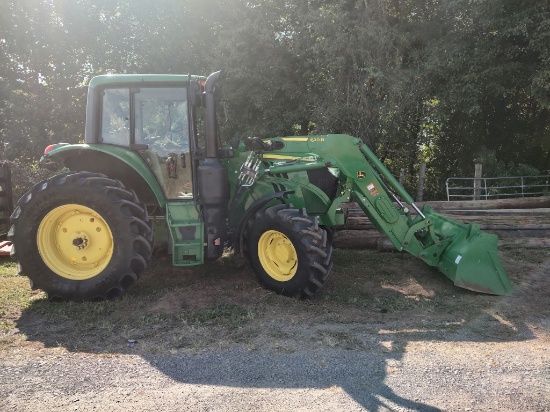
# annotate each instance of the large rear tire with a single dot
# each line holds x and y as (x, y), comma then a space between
(81, 236)
(288, 251)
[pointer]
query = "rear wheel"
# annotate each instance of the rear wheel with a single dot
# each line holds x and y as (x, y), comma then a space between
(81, 236)
(289, 252)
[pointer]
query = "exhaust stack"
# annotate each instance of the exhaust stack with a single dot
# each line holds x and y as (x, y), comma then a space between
(212, 179)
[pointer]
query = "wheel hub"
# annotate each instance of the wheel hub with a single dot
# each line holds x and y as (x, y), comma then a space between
(75, 242)
(277, 255)
(80, 242)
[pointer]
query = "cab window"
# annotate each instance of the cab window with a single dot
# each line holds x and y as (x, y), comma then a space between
(115, 119)
(162, 119)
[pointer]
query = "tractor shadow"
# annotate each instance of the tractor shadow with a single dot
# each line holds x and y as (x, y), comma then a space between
(215, 326)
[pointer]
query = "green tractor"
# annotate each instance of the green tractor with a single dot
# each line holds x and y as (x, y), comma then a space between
(152, 173)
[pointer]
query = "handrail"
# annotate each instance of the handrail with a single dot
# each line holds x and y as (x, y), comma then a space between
(487, 190)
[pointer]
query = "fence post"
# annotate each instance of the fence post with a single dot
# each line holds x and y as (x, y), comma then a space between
(420, 185)
(477, 181)
(402, 176)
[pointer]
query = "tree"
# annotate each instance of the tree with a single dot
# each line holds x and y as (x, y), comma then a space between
(418, 80)
(488, 82)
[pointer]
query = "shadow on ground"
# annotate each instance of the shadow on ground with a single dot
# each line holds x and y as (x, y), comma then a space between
(215, 326)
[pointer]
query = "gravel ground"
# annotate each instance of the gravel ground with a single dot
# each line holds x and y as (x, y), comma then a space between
(456, 351)
(429, 376)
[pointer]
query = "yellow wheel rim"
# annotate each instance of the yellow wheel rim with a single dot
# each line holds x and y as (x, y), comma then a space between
(75, 242)
(277, 255)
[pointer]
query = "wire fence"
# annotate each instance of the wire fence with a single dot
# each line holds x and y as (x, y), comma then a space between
(497, 187)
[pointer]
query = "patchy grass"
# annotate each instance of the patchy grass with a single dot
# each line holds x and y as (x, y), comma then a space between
(219, 305)
(15, 294)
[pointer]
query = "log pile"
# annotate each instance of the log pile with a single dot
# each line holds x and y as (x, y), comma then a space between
(522, 222)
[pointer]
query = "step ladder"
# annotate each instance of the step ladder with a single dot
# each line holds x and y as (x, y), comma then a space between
(186, 232)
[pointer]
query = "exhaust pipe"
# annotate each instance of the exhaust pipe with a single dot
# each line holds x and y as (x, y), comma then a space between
(210, 103)
(212, 179)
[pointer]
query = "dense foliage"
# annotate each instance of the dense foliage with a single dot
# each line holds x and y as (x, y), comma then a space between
(448, 82)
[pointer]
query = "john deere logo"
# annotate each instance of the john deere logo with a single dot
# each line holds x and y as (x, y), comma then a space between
(360, 175)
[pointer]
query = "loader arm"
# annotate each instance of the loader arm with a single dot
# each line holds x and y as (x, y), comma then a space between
(459, 250)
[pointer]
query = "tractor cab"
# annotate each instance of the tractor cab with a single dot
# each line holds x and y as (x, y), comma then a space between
(160, 129)
(154, 116)
(157, 135)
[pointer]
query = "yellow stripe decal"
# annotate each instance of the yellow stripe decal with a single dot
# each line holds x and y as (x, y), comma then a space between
(295, 139)
(282, 157)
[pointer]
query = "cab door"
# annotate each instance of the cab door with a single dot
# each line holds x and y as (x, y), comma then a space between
(162, 123)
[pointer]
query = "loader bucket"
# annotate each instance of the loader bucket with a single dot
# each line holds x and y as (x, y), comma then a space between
(470, 260)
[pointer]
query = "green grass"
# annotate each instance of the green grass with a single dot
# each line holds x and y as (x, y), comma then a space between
(216, 305)
(15, 294)
(91, 325)
(232, 316)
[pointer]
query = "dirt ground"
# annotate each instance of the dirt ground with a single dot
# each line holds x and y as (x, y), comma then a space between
(386, 333)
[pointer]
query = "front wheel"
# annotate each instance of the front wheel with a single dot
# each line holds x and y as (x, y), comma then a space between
(288, 251)
(81, 236)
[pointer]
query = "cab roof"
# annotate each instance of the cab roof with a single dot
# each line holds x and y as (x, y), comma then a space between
(117, 79)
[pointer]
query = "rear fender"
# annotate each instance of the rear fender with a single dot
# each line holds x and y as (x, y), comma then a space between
(116, 162)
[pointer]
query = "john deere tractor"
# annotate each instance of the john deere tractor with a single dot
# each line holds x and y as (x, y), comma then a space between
(152, 173)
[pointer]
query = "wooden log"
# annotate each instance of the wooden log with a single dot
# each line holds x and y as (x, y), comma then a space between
(528, 243)
(486, 223)
(360, 239)
(538, 212)
(519, 216)
(511, 227)
(518, 222)
(504, 220)
(519, 233)
(514, 203)
(496, 212)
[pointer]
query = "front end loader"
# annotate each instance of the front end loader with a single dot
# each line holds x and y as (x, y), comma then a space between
(153, 173)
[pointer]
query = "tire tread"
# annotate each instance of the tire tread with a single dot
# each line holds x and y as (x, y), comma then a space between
(318, 248)
(140, 234)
